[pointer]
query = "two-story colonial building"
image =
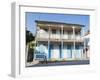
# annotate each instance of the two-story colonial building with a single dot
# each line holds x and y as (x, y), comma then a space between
(61, 40)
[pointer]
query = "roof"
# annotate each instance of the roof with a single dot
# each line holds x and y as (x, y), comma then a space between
(61, 23)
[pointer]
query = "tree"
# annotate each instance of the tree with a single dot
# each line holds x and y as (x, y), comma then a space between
(29, 36)
(29, 44)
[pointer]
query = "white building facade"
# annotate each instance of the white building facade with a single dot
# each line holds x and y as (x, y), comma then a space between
(61, 40)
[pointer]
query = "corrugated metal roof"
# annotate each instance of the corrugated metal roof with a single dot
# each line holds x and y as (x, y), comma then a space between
(60, 23)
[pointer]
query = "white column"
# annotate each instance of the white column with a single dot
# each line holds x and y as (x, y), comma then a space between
(84, 56)
(61, 41)
(35, 50)
(49, 43)
(36, 41)
(48, 49)
(49, 32)
(38, 32)
(84, 49)
(73, 54)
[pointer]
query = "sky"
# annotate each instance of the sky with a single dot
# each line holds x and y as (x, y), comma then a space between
(65, 18)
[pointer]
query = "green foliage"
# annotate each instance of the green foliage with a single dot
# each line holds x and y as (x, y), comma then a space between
(30, 42)
(29, 36)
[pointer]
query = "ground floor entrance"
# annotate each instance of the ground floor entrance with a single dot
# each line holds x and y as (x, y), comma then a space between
(57, 50)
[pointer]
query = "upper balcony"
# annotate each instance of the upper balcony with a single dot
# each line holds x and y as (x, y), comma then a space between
(45, 36)
(55, 31)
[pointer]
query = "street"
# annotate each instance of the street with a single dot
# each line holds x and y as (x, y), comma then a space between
(62, 63)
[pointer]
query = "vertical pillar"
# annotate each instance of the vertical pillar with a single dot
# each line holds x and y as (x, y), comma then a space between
(49, 56)
(84, 44)
(35, 50)
(81, 43)
(36, 42)
(82, 35)
(73, 53)
(62, 50)
(49, 32)
(84, 49)
(61, 42)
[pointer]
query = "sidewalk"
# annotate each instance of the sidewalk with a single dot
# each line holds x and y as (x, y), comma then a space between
(61, 63)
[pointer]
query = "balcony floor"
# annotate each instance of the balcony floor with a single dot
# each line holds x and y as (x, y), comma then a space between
(58, 40)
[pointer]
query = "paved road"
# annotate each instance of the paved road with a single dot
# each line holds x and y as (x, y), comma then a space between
(74, 62)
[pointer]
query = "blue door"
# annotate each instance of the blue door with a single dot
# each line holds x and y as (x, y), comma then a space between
(50, 48)
(64, 51)
(69, 51)
(55, 53)
(78, 51)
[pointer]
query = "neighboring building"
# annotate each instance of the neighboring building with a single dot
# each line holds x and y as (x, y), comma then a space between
(61, 40)
(86, 38)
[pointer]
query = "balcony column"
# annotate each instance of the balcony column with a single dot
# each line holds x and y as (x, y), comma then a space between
(49, 54)
(49, 32)
(61, 54)
(81, 44)
(84, 53)
(36, 41)
(73, 53)
(82, 35)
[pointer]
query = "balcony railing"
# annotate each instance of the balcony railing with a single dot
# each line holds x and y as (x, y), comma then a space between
(58, 36)
(43, 36)
(55, 36)
(71, 37)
